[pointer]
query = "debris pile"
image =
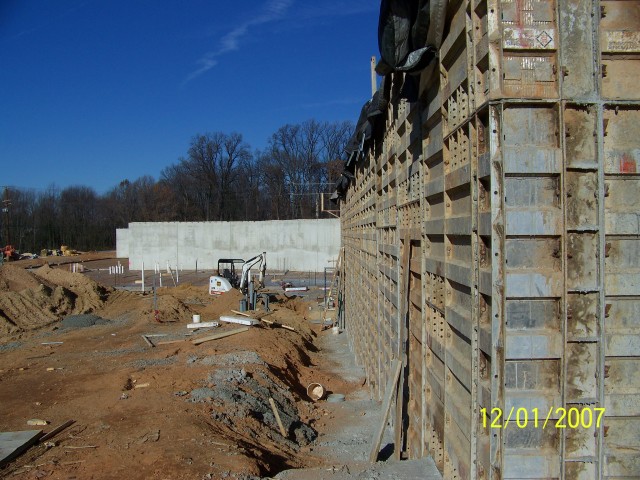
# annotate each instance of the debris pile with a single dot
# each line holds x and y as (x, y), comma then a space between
(239, 394)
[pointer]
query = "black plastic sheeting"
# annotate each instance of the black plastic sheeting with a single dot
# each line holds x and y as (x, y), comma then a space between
(402, 36)
(409, 36)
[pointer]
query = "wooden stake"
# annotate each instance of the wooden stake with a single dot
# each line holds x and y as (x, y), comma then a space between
(403, 334)
(277, 415)
(242, 313)
(216, 336)
(148, 341)
(396, 366)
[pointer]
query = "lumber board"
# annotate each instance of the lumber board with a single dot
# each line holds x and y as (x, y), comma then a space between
(396, 367)
(216, 336)
(279, 325)
(56, 431)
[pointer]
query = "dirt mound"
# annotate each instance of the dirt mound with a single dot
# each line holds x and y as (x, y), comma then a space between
(188, 293)
(223, 304)
(169, 307)
(32, 300)
(89, 294)
(26, 310)
(16, 279)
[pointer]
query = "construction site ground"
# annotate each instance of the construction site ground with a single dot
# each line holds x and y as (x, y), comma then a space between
(72, 348)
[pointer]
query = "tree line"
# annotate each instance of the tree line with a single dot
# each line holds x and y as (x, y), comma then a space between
(219, 179)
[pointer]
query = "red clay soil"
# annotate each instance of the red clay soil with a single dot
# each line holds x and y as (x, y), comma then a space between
(143, 412)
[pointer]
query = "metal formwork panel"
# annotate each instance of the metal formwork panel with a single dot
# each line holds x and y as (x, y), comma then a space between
(515, 180)
(416, 354)
(621, 265)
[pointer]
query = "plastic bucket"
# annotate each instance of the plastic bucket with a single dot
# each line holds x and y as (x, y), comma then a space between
(196, 319)
(315, 391)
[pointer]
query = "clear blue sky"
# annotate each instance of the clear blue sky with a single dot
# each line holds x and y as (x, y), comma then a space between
(96, 91)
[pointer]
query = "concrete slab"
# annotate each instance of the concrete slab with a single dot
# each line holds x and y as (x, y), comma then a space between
(13, 444)
(423, 469)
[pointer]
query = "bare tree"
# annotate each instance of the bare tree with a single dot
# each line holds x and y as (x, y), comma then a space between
(303, 154)
(218, 179)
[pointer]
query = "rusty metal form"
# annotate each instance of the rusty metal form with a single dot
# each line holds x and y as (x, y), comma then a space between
(492, 243)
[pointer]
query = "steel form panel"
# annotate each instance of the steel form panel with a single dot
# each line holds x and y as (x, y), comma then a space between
(529, 239)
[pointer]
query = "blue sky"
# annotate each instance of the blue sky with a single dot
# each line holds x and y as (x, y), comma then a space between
(96, 91)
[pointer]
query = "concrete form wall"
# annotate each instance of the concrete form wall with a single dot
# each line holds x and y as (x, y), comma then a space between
(492, 242)
(298, 245)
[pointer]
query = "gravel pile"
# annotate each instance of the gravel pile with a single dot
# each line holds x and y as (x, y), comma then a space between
(235, 358)
(202, 395)
(82, 321)
(7, 347)
(152, 362)
(240, 395)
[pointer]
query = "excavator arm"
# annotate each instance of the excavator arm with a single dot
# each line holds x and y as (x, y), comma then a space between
(246, 270)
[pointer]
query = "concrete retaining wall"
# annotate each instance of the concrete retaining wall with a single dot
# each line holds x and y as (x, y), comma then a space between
(122, 242)
(298, 245)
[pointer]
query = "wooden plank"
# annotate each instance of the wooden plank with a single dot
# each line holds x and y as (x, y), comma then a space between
(402, 335)
(13, 444)
(396, 367)
(277, 415)
(216, 336)
(275, 324)
(56, 431)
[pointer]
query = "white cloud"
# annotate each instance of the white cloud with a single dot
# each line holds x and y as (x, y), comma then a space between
(273, 10)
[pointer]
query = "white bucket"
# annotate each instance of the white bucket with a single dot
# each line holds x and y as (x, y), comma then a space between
(335, 330)
(315, 391)
(196, 319)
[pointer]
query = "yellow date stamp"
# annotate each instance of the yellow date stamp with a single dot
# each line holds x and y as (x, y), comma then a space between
(573, 418)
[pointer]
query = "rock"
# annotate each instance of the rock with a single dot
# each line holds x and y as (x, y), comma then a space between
(37, 421)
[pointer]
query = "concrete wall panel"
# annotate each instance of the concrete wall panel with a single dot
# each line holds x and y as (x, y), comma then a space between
(299, 245)
(122, 243)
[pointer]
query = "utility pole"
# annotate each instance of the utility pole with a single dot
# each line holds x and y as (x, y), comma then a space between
(6, 203)
(374, 80)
